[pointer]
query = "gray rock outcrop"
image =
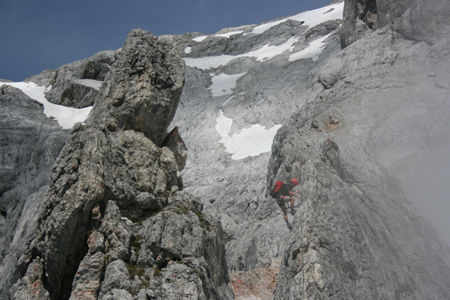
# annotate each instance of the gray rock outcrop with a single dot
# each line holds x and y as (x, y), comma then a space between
(268, 90)
(29, 145)
(156, 78)
(77, 84)
(410, 18)
(355, 234)
(344, 95)
(112, 224)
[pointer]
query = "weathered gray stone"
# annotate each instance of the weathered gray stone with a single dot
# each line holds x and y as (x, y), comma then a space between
(410, 18)
(358, 124)
(149, 75)
(109, 183)
(29, 144)
(355, 234)
(116, 278)
(185, 248)
(86, 284)
(374, 75)
(31, 286)
(175, 143)
(331, 72)
(266, 94)
(76, 84)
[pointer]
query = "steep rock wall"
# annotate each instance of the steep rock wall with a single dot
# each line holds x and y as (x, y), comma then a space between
(268, 88)
(410, 18)
(356, 235)
(114, 223)
(30, 143)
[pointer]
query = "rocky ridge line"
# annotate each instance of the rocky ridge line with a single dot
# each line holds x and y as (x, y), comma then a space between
(114, 223)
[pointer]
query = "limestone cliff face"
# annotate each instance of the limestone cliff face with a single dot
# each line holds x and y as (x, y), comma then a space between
(247, 74)
(356, 235)
(410, 18)
(381, 102)
(29, 145)
(114, 223)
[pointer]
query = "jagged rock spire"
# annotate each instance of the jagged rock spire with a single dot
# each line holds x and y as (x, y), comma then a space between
(143, 88)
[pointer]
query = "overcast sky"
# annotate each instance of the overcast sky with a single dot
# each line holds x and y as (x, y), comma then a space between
(44, 34)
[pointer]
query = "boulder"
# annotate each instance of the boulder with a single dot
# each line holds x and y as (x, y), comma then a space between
(146, 80)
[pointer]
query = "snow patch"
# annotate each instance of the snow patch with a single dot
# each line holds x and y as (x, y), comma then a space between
(264, 53)
(223, 84)
(188, 50)
(209, 62)
(269, 51)
(95, 84)
(248, 141)
(66, 116)
(228, 100)
(310, 18)
(312, 51)
(200, 38)
(228, 34)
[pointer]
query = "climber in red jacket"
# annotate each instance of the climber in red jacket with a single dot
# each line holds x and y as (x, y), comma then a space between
(283, 191)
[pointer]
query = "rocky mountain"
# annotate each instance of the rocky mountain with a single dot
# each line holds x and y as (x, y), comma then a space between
(113, 222)
(353, 138)
(351, 99)
(30, 143)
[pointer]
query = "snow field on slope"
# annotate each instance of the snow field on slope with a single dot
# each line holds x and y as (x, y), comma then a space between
(223, 84)
(310, 18)
(66, 116)
(264, 53)
(312, 51)
(269, 51)
(209, 62)
(95, 84)
(225, 35)
(200, 38)
(228, 34)
(246, 142)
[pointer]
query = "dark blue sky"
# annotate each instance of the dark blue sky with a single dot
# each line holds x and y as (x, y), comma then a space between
(44, 34)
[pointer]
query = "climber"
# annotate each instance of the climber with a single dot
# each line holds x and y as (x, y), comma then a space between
(283, 191)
